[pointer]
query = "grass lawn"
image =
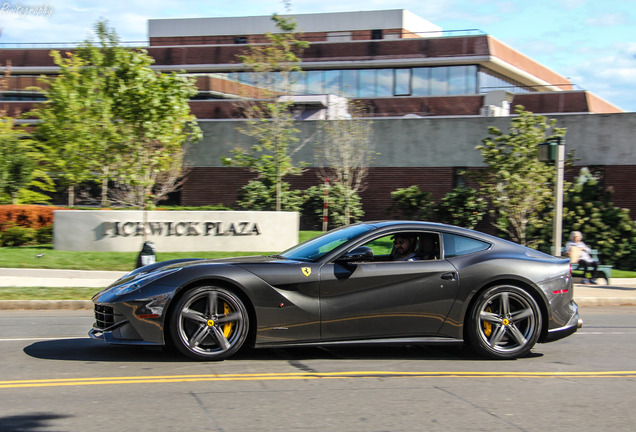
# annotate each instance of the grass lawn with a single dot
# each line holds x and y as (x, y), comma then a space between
(48, 258)
(46, 293)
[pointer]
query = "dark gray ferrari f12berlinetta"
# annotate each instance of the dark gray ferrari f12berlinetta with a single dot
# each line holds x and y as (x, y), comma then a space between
(389, 281)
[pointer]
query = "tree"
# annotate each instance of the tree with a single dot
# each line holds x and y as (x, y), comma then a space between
(462, 207)
(413, 203)
(271, 122)
(110, 117)
(19, 165)
(517, 185)
(154, 122)
(259, 195)
(76, 122)
(313, 207)
(344, 154)
(588, 207)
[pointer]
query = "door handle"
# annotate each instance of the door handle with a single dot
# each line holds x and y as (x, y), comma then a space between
(449, 276)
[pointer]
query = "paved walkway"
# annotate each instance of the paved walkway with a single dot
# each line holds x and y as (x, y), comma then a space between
(620, 292)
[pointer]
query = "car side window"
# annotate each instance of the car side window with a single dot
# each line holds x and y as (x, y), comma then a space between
(456, 245)
(425, 247)
(381, 246)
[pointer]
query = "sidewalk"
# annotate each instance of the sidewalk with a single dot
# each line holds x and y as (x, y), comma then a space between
(621, 292)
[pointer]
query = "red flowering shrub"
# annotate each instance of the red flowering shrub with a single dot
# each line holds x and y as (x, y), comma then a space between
(27, 216)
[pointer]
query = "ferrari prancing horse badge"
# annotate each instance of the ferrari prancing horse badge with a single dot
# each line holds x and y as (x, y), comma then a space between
(306, 271)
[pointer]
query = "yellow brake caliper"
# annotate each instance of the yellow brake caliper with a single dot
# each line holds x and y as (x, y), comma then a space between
(227, 328)
(487, 325)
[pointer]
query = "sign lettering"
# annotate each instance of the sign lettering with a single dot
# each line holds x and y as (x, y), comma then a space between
(180, 229)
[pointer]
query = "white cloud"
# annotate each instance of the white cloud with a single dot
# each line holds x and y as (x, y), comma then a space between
(607, 20)
(612, 77)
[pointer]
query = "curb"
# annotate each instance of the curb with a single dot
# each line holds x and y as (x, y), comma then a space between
(606, 301)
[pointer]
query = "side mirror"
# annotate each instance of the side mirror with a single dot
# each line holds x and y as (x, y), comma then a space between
(362, 253)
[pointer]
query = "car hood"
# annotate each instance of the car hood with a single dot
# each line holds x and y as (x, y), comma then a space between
(182, 263)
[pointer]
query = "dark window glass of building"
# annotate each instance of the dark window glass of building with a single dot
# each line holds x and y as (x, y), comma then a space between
(240, 39)
(376, 34)
(459, 179)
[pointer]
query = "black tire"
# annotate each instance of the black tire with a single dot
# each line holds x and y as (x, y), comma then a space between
(209, 323)
(504, 323)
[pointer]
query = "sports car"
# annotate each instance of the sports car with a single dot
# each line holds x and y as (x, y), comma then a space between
(346, 286)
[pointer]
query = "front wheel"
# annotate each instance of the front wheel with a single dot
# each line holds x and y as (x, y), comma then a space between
(504, 323)
(209, 323)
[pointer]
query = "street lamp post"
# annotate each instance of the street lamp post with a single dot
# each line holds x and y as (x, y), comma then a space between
(553, 150)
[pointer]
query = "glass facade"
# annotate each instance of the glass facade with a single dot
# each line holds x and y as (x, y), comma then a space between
(369, 83)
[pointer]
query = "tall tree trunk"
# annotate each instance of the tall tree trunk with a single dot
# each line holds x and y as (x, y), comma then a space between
(105, 201)
(71, 196)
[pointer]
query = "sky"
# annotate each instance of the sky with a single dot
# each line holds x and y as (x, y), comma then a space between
(591, 42)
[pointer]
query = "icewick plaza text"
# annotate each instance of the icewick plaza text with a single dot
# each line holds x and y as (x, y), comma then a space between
(127, 229)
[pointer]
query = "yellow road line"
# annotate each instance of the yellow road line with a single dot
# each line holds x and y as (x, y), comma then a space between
(303, 376)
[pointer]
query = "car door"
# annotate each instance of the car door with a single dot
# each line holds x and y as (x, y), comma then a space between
(385, 298)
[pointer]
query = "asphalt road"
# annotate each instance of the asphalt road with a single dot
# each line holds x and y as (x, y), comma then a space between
(53, 378)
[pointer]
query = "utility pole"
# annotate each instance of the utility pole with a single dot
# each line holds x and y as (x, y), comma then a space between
(553, 150)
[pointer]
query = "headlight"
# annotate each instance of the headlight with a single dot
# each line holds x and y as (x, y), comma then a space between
(142, 281)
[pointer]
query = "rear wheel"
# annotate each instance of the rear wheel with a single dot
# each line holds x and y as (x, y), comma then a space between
(504, 323)
(209, 323)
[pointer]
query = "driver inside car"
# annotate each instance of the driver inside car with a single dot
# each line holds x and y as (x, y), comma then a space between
(404, 247)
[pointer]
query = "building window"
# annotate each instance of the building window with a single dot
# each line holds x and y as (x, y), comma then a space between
(402, 82)
(439, 81)
(421, 81)
(315, 82)
(459, 179)
(384, 83)
(376, 34)
(368, 83)
(333, 84)
(339, 36)
(489, 81)
(350, 83)
(240, 39)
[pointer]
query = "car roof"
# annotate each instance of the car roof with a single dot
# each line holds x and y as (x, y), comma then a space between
(436, 226)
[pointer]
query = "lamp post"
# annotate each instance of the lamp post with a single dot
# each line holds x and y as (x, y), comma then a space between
(553, 150)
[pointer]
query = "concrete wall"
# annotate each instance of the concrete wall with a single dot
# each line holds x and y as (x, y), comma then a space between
(175, 231)
(320, 22)
(596, 139)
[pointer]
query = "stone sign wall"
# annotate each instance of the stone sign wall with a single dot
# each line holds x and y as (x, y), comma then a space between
(174, 231)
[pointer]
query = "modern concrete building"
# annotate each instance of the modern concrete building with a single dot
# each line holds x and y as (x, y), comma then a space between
(433, 94)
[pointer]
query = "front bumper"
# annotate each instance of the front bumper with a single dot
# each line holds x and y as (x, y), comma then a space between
(127, 323)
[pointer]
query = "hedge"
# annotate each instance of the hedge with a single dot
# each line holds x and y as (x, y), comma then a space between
(27, 216)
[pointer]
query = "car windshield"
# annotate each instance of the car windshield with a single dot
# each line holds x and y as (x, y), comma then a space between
(316, 248)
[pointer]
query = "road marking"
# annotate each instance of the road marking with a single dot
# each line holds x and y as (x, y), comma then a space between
(303, 376)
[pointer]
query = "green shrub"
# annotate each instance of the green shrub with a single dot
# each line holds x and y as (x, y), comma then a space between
(313, 208)
(14, 235)
(462, 207)
(588, 207)
(260, 196)
(44, 235)
(413, 203)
